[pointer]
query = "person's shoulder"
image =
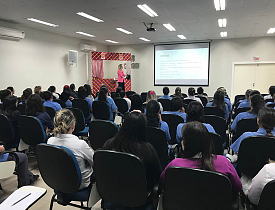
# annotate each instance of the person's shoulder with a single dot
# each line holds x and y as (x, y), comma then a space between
(51, 140)
(163, 123)
(221, 159)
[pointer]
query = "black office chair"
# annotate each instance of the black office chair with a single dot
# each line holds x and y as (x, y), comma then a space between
(185, 106)
(61, 102)
(80, 128)
(157, 138)
(82, 105)
(100, 131)
(271, 105)
(31, 130)
(183, 95)
(1, 105)
(115, 95)
(238, 97)
(129, 94)
(143, 96)
(166, 103)
(254, 154)
(7, 132)
(218, 143)
(122, 105)
(203, 100)
(214, 111)
(50, 111)
(101, 110)
(60, 171)
(268, 100)
(21, 108)
(219, 125)
(187, 101)
(172, 121)
(188, 188)
(245, 125)
(240, 110)
(121, 179)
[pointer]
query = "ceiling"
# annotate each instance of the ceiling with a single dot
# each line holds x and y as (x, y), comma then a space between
(195, 19)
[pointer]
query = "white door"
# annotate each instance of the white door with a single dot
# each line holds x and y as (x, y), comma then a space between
(265, 77)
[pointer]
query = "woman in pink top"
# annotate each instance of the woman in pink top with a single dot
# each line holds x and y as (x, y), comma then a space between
(121, 77)
(198, 153)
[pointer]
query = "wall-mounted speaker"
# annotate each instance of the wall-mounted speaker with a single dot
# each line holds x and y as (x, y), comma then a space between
(73, 56)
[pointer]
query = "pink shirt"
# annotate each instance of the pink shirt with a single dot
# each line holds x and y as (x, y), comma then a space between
(221, 164)
(121, 76)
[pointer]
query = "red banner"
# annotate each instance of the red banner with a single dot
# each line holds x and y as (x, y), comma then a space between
(111, 56)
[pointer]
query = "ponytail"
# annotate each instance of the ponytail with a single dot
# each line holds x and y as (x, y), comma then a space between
(63, 121)
(267, 120)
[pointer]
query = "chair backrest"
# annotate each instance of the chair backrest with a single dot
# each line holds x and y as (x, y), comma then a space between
(82, 105)
(58, 168)
(172, 121)
(185, 106)
(120, 178)
(166, 103)
(187, 101)
(115, 95)
(143, 96)
(1, 105)
(214, 111)
(50, 111)
(218, 123)
(7, 132)
(242, 109)
(21, 108)
(100, 131)
(269, 100)
(271, 105)
(6, 169)
(238, 97)
(157, 138)
(188, 188)
(61, 102)
(101, 110)
(183, 95)
(267, 200)
(122, 105)
(80, 121)
(31, 130)
(203, 100)
(245, 125)
(218, 143)
(129, 94)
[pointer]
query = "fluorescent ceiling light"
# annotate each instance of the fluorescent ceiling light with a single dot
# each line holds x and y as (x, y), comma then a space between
(223, 34)
(219, 4)
(271, 31)
(42, 22)
(124, 31)
(89, 17)
(147, 10)
(181, 36)
(111, 41)
(146, 40)
(85, 34)
(222, 22)
(169, 27)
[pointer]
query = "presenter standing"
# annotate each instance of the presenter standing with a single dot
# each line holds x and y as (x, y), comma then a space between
(121, 77)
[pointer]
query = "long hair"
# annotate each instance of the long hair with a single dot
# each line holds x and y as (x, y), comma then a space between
(196, 139)
(25, 95)
(102, 95)
(136, 103)
(82, 92)
(176, 104)
(88, 89)
(257, 103)
(267, 120)
(152, 113)
(37, 89)
(63, 120)
(67, 89)
(151, 95)
(178, 92)
(34, 105)
(9, 106)
(219, 99)
(4, 94)
(272, 90)
(195, 112)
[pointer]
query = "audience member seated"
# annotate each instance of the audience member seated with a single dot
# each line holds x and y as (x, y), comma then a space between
(52, 89)
(136, 103)
(48, 96)
(271, 93)
(198, 153)
(118, 89)
(82, 93)
(191, 95)
(11, 89)
(246, 102)
(165, 94)
(4, 94)
(151, 95)
(24, 176)
(194, 112)
(89, 92)
(64, 122)
(103, 97)
(26, 93)
(10, 110)
(200, 92)
(178, 93)
(73, 92)
(256, 103)
(176, 108)
(66, 96)
(271, 102)
(122, 95)
(34, 107)
(37, 89)
(219, 102)
(226, 98)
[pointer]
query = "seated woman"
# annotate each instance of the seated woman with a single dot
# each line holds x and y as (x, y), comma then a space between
(64, 122)
(219, 102)
(89, 92)
(198, 153)
(52, 89)
(256, 103)
(82, 93)
(66, 96)
(26, 93)
(176, 108)
(151, 95)
(34, 107)
(194, 112)
(179, 94)
(4, 94)
(10, 110)
(245, 102)
(136, 103)
(103, 97)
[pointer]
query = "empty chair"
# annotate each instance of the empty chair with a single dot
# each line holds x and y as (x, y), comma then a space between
(61, 102)
(129, 94)
(218, 143)
(122, 105)
(203, 100)
(50, 111)
(101, 110)
(100, 131)
(21, 108)
(187, 101)
(143, 96)
(166, 103)
(245, 125)
(7, 133)
(82, 105)
(80, 128)
(218, 123)
(214, 111)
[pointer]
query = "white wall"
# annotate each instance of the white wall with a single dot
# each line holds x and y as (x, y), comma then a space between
(41, 59)
(222, 54)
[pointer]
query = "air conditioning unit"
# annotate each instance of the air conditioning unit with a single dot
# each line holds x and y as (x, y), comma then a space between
(11, 33)
(86, 48)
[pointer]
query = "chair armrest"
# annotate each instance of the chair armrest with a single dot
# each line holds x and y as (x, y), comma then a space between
(155, 195)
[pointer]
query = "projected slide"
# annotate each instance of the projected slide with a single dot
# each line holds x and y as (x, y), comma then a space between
(182, 64)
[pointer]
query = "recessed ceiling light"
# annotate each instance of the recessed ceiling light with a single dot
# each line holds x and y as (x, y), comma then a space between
(219, 4)
(42, 22)
(271, 31)
(169, 27)
(144, 39)
(111, 41)
(223, 34)
(181, 36)
(124, 31)
(89, 17)
(222, 22)
(147, 10)
(85, 34)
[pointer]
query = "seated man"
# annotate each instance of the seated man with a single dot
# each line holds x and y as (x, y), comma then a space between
(191, 95)
(48, 96)
(165, 92)
(176, 108)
